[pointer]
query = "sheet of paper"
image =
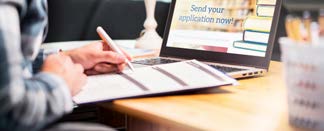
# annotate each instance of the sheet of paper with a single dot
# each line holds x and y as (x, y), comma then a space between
(192, 74)
(101, 87)
(151, 80)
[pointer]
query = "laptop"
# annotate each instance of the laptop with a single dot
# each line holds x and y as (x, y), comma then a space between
(233, 36)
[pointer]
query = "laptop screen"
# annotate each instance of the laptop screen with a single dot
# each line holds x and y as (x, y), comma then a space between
(226, 26)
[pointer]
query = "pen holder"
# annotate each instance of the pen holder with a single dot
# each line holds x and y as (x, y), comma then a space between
(304, 77)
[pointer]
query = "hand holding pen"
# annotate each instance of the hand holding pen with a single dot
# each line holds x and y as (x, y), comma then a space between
(98, 58)
(105, 37)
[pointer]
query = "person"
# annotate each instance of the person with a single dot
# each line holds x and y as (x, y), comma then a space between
(36, 86)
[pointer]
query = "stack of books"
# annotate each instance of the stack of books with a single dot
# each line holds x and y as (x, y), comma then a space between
(257, 27)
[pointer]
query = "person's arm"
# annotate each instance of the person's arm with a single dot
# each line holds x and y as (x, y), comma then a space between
(41, 56)
(26, 103)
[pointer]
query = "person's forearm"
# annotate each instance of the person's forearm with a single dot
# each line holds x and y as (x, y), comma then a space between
(35, 102)
(27, 102)
(41, 56)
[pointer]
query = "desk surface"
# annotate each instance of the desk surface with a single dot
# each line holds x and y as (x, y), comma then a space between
(255, 104)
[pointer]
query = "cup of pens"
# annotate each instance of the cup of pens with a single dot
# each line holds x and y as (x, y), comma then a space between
(304, 77)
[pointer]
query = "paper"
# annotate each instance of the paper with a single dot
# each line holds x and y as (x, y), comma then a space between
(127, 45)
(179, 76)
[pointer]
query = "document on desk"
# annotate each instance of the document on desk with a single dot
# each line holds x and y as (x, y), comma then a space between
(158, 79)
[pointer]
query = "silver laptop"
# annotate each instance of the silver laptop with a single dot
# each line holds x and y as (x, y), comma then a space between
(235, 37)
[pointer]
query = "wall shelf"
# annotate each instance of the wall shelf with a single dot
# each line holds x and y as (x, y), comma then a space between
(301, 5)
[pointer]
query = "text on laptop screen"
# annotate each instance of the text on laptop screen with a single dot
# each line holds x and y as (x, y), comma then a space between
(226, 26)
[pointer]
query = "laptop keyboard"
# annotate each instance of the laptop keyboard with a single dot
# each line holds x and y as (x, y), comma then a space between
(157, 61)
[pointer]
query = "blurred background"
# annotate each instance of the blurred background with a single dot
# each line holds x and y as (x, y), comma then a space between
(74, 20)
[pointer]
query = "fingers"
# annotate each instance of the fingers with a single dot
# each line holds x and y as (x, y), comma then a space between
(104, 68)
(64, 67)
(79, 68)
(107, 48)
(91, 72)
(80, 80)
(111, 57)
(91, 56)
(66, 59)
(121, 67)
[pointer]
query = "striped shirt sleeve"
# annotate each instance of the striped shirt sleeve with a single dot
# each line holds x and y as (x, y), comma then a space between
(27, 102)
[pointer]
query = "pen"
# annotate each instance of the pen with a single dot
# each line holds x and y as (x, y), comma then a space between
(297, 27)
(105, 37)
(321, 22)
(307, 20)
(315, 33)
(293, 25)
(288, 25)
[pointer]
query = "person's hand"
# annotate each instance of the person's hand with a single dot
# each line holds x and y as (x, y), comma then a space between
(63, 66)
(98, 58)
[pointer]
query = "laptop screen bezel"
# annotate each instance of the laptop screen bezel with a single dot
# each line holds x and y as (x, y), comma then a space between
(225, 58)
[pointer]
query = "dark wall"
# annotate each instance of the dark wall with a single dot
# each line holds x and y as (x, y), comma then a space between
(68, 19)
(77, 19)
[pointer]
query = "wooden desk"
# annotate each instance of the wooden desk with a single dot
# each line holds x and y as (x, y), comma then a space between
(256, 104)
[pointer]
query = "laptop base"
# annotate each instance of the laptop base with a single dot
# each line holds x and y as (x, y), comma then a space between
(234, 71)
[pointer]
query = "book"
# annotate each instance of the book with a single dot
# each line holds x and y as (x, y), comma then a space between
(262, 24)
(255, 36)
(253, 46)
(152, 80)
(266, 2)
(265, 10)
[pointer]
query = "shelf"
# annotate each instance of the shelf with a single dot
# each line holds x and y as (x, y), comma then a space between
(300, 5)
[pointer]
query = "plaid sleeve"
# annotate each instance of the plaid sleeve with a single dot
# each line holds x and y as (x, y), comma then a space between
(38, 62)
(27, 102)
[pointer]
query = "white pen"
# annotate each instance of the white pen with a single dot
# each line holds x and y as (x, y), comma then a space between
(105, 37)
(315, 33)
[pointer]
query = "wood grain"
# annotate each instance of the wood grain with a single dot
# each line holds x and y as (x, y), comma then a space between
(256, 104)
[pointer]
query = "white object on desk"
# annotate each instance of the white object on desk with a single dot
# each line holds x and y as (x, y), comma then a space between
(166, 78)
(303, 67)
(150, 39)
(127, 45)
(68, 45)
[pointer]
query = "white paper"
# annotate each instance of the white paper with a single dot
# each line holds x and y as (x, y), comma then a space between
(151, 80)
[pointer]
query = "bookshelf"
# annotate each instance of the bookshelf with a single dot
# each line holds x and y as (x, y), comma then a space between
(301, 5)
